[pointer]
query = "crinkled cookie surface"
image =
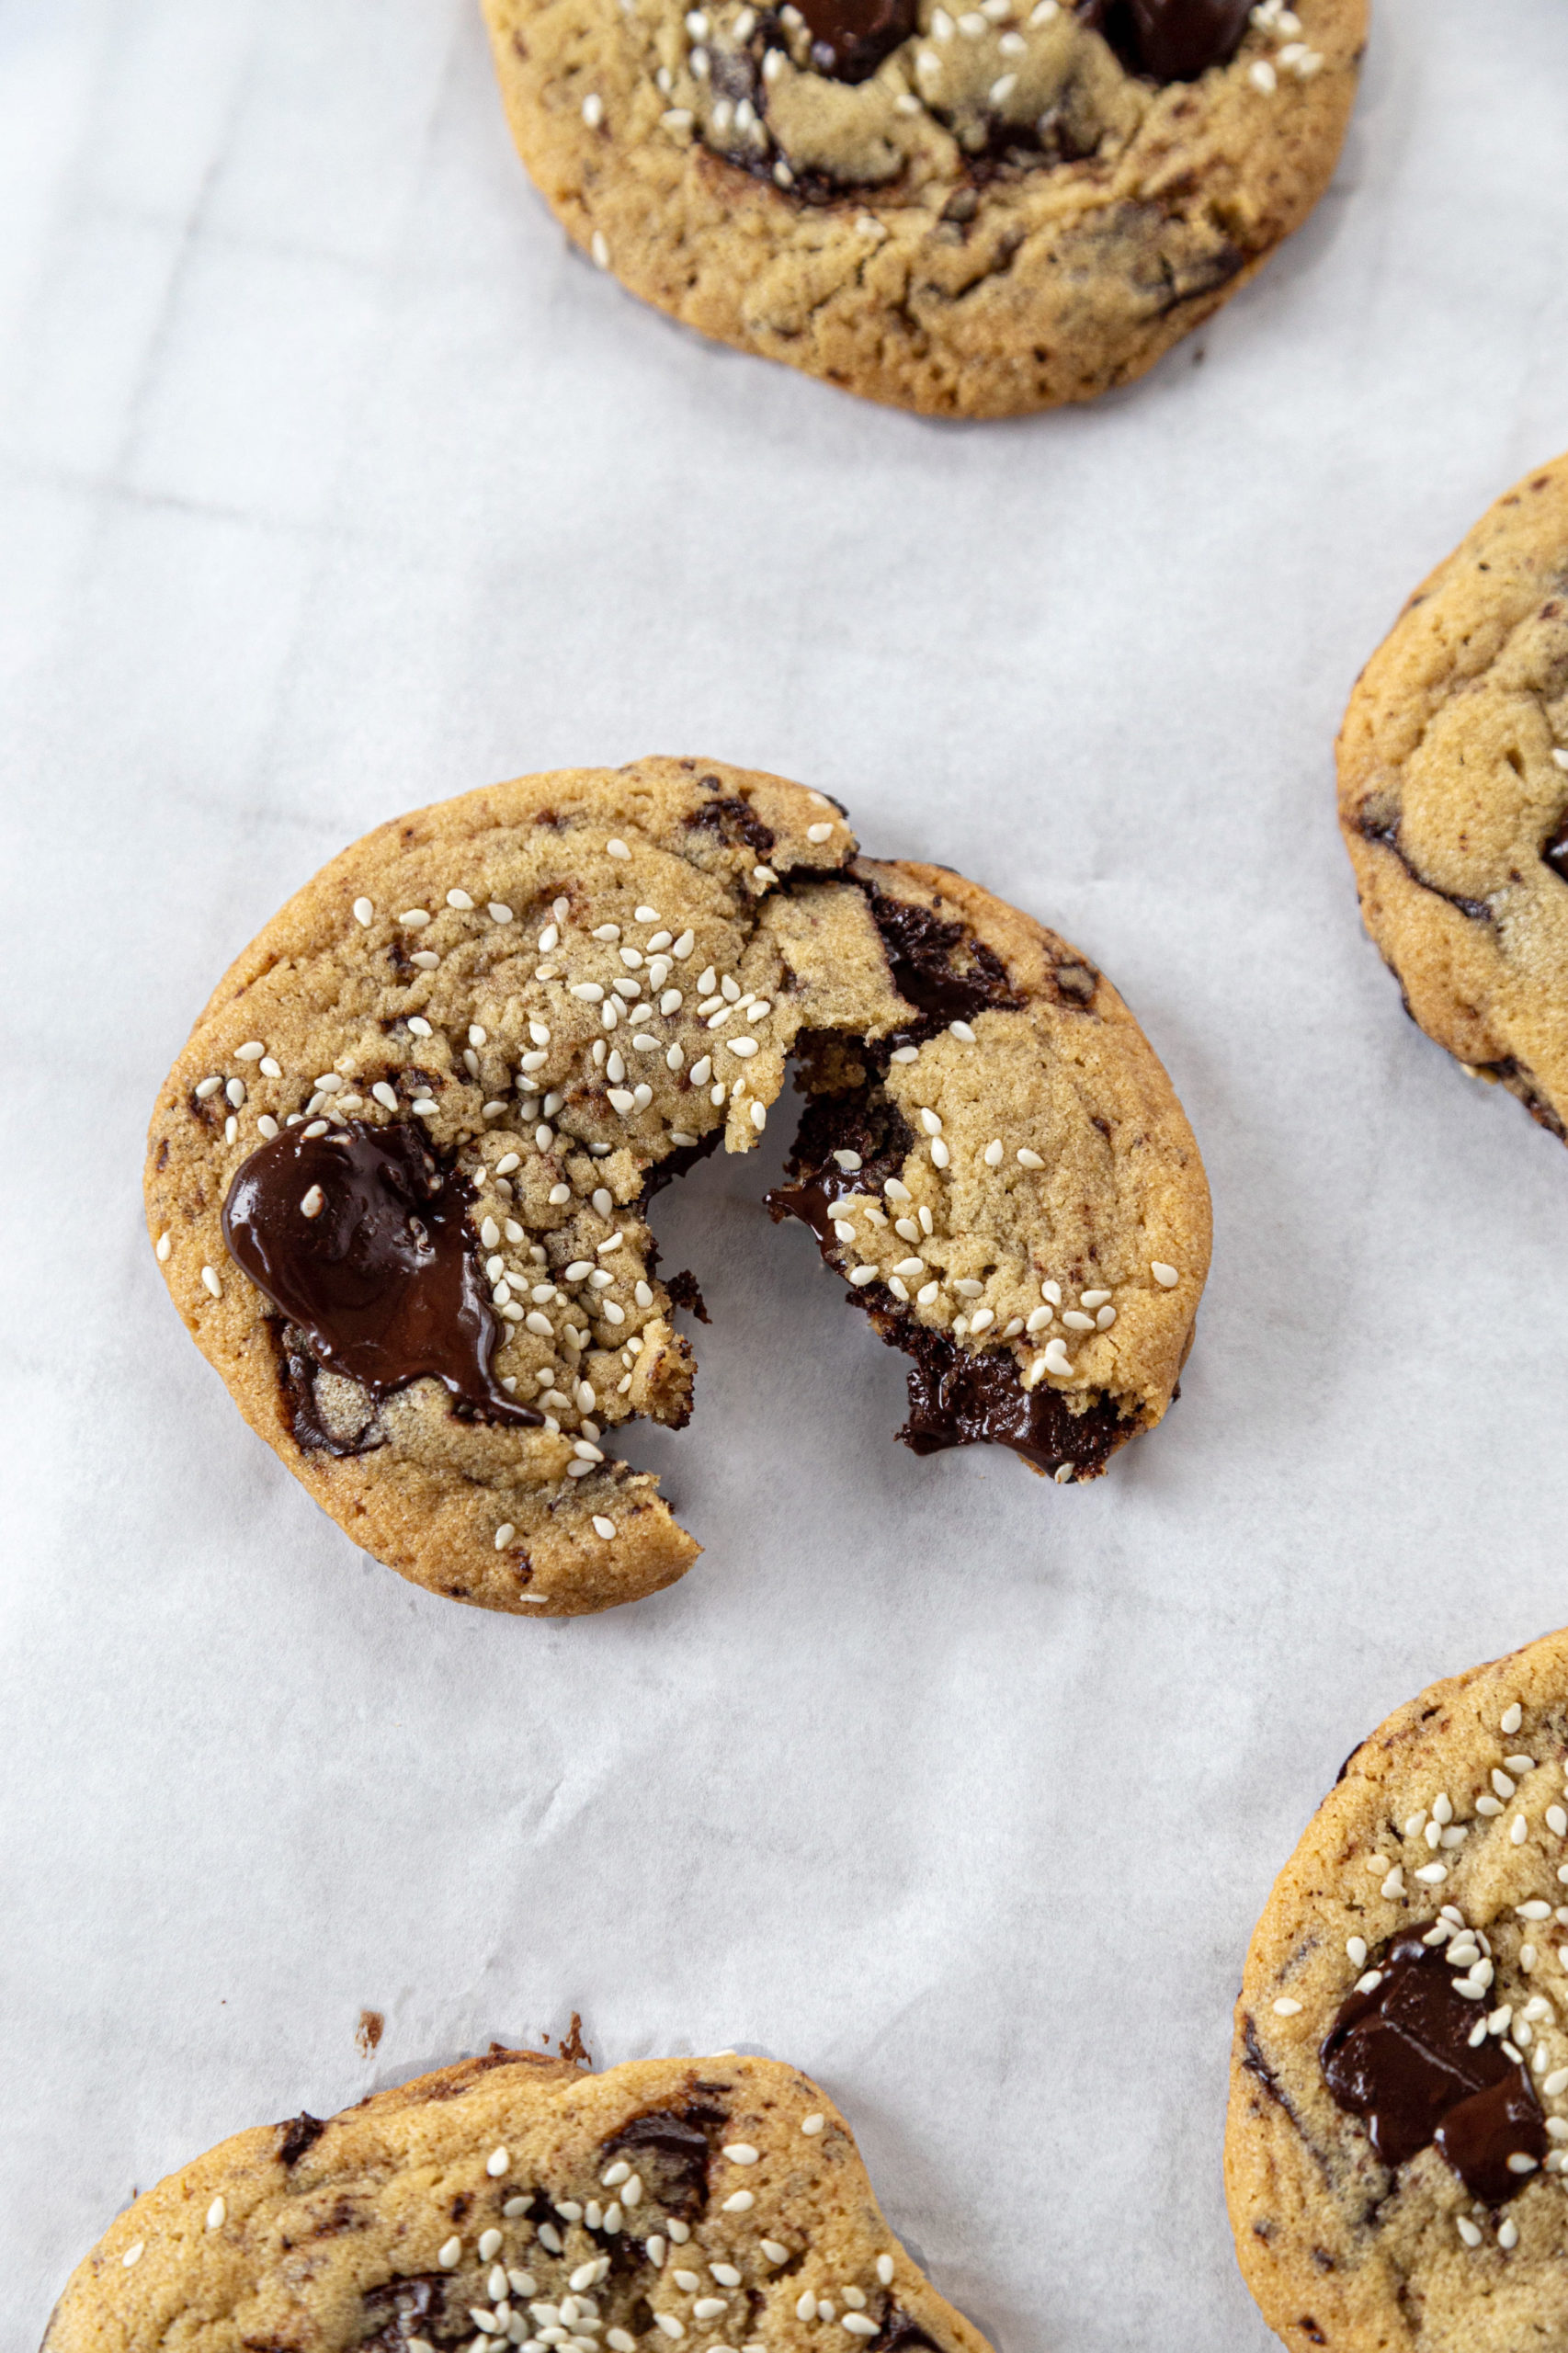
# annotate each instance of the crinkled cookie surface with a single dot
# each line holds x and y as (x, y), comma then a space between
(971, 211)
(1453, 797)
(1399, 2083)
(399, 1180)
(515, 2200)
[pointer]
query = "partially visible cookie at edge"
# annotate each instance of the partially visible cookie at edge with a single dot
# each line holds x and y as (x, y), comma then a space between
(1453, 797)
(1398, 2081)
(400, 1178)
(514, 2200)
(974, 212)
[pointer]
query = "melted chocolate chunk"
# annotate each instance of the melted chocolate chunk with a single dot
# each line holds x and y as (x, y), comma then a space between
(937, 967)
(300, 2133)
(866, 1126)
(900, 2335)
(850, 38)
(1555, 851)
(959, 1399)
(383, 1283)
(1170, 40)
(734, 822)
(403, 2311)
(685, 1291)
(1400, 2057)
(676, 2140)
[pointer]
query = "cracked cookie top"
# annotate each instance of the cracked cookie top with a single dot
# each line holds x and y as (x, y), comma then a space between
(400, 1179)
(1398, 2130)
(1453, 797)
(967, 210)
(518, 2201)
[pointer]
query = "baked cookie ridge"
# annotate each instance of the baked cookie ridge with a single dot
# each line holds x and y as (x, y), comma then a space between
(517, 2201)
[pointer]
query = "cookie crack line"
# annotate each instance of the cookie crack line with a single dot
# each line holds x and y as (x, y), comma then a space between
(518, 2199)
(779, 176)
(401, 1179)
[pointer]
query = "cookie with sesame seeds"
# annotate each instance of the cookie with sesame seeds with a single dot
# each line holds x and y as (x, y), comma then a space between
(515, 2199)
(399, 1180)
(1395, 2154)
(1453, 798)
(968, 210)
(995, 1157)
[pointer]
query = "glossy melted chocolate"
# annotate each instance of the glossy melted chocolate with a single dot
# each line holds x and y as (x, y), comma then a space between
(1170, 40)
(383, 1283)
(677, 2138)
(1400, 2057)
(939, 967)
(850, 38)
(1555, 853)
(957, 1396)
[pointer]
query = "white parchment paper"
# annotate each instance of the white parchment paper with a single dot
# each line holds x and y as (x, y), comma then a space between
(333, 482)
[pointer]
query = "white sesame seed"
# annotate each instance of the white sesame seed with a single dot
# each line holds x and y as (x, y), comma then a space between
(593, 110)
(217, 2215)
(740, 2201)
(819, 833)
(503, 1536)
(709, 2307)
(1355, 1947)
(741, 2153)
(1518, 1830)
(806, 2306)
(1467, 2229)
(1520, 1765)
(133, 2252)
(1502, 1784)
(940, 1155)
(668, 2322)
(1431, 1875)
(775, 2250)
(1167, 1277)
(1285, 2008)
(1394, 1883)
(1520, 2162)
(451, 2254)
(1513, 1717)
(811, 2125)
(1262, 76)
(210, 1278)
(931, 1122)
(206, 1088)
(603, 1526)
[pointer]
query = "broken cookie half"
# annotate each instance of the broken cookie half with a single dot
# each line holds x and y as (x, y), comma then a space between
(517, 2201)
(399, 1180)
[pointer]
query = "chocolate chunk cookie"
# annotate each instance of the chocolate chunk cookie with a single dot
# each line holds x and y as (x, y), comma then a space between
(970, 211)
(399, 1180)
(1398, 2081)
(1453, 797)
(516, 2200)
